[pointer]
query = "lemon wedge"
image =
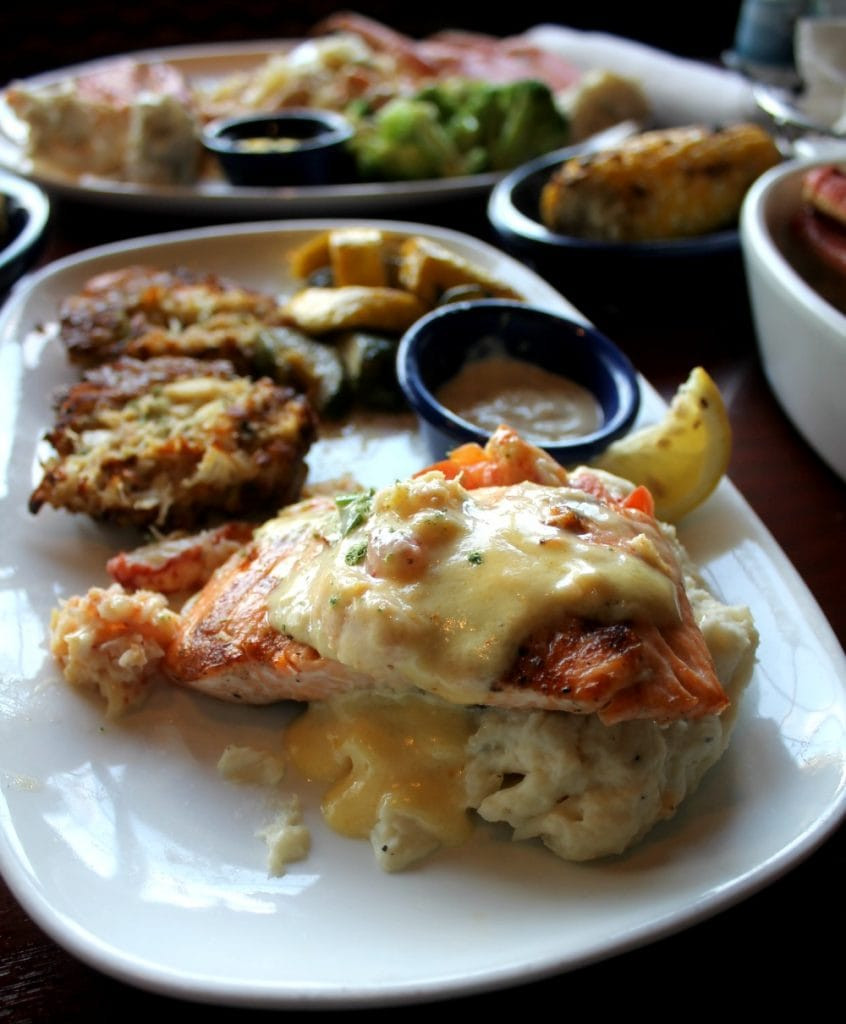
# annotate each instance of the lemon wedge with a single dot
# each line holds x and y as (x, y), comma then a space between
(683, 457)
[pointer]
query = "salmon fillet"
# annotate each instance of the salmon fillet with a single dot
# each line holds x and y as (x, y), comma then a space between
(226, 646)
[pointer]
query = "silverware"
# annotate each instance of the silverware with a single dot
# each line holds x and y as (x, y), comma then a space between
(797, 133)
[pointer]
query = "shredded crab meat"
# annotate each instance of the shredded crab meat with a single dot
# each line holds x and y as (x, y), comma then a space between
(114, 642)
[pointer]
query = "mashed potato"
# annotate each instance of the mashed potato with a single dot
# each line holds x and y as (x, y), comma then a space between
(589, 790)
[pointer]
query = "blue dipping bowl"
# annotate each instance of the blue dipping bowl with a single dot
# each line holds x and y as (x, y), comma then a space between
(616, 282)
(295, 147)
(438, 345)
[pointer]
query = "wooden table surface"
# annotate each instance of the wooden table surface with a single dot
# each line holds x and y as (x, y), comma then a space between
(783, 928)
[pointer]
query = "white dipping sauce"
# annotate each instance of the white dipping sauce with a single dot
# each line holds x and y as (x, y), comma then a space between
(541, 406)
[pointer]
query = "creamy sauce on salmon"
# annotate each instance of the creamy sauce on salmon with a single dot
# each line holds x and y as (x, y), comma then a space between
(541, 406)
(436, 586)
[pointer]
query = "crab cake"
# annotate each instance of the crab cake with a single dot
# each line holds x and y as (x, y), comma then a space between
(143, 312)
(174, 443)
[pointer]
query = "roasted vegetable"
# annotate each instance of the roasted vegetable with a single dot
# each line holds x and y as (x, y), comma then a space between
(311, 367)
(428, 270)
(405, 140)
(666, 183)
(357, 255)
(323, 310)
(311, 257)
(370, 363)
(522, 122)
(359, 324)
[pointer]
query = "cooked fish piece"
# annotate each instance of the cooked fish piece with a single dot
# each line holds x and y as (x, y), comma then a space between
(667, 183)
(410, 595)
(174, 443)
(144, 311)
(226, 646)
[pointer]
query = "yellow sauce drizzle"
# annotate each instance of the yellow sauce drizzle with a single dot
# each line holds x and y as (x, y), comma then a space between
(371, 749)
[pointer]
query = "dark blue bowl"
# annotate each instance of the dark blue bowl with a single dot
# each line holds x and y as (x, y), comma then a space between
(27, 217)
(438, 345)
(616, 282)
(295, 147)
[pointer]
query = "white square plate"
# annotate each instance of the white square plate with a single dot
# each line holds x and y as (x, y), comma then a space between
(123, 843)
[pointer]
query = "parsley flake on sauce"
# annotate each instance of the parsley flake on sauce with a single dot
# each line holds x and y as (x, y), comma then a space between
(355, 554)
(353, 509)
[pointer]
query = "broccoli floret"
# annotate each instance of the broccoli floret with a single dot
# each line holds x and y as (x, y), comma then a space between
(406, 140)
(466, 109)
(459, 126)
(528, 123)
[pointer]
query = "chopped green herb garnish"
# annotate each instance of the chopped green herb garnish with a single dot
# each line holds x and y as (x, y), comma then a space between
(353, 509)
(475, 558)
(355, 554)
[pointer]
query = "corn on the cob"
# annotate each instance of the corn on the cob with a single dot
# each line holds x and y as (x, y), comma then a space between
(665, 183)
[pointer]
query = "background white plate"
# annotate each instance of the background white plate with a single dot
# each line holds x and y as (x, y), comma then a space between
(680, 91)
(207, 63)
(124, 845)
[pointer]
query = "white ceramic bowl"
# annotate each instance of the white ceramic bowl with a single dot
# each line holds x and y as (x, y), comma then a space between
(801, 336)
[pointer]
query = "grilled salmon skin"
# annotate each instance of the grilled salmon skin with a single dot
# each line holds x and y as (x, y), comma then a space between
(226, 646)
